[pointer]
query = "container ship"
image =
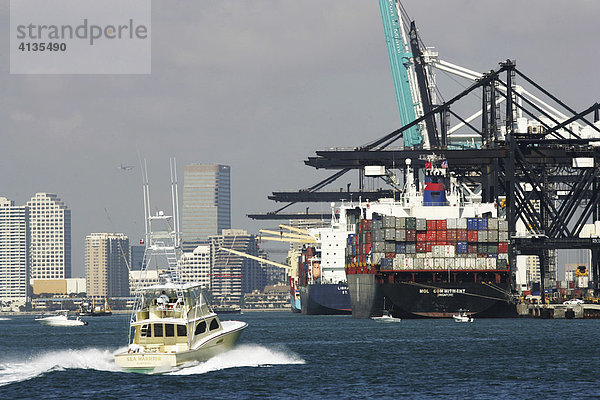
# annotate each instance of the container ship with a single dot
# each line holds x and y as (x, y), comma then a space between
(430, 254)
(321, 281)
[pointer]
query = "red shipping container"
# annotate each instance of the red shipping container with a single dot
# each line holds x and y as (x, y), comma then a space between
(441, 224)
(390, 255)
(442, 235)
(421, 247)
(411, 235)
(421, 237)
(472, 249)
(431, 224)
(502, 247)
(472, 236)
(366, 224)
(369, 237)
(441, 243)
(368, 248)
(461, 235)
(431, 236)
(452, 235)
(429, 245)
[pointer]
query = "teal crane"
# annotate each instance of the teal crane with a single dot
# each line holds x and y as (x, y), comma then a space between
(400, 61)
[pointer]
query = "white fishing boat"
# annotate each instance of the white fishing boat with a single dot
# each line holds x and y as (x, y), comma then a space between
(462, 317)
(61, 318)
(386, 317)
(172, 323)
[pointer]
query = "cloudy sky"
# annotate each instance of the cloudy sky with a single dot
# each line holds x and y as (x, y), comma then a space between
(258, 85)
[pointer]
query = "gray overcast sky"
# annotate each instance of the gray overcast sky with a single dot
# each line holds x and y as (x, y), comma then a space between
(258, 85)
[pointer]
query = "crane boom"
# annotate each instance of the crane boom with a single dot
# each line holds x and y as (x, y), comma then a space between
(400, 61)
(294, 229)
(290, 235)
(239, 253)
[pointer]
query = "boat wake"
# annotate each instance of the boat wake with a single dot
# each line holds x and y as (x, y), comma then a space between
(246, 355)
(11, 372)
(4, 319)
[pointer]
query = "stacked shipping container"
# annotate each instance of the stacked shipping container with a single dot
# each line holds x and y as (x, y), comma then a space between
(402, 243)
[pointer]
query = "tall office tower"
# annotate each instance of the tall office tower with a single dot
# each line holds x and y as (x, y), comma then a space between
(106, 271)
(136, 257)
(14, 255)
(195, 266)
(206, 201)
(50, 232)
(234, 275)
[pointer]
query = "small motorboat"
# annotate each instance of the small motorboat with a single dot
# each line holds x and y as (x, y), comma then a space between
(61, 318)
(462, 317)
(386, 317)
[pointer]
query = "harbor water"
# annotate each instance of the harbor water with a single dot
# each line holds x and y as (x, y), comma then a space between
(283, 355)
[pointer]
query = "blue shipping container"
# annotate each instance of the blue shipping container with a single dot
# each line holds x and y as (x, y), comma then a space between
(400, 248)
(472, 224)
(387, 262)
(461, 247)
(482, 224)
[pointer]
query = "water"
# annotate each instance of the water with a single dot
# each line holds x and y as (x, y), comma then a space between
(285, 355)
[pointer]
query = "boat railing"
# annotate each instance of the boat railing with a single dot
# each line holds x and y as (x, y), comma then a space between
(157, 312)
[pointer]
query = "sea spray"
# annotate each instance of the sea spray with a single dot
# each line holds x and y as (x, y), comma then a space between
(247, 355)
(101, 360)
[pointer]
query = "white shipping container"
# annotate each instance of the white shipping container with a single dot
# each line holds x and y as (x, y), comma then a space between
(482, 236)
(503, 225)
(438, 250)
(502, 236)
(491, 263)
(419, 263)
(439, 263)
(428, 262)
(451, 223)
(420, 255)
(492, 224)
(492, 236)
(503, 256)
(450, 263)
(461, 223)
(470, 263)
(449, 251)
(480, 263)
(408, 263)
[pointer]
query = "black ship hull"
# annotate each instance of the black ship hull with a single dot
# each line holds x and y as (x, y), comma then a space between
(420, 294)
(325, 299)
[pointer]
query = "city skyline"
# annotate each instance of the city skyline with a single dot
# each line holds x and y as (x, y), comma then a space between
(237, 85)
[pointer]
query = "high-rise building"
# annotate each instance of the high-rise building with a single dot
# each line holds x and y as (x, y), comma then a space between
(50, 228)
(14, 255)
(234, 275)
(136, 257)
(195, 265)
(206, 201)
(106, 271)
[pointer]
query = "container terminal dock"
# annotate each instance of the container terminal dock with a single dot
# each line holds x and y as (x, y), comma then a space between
(523, 150)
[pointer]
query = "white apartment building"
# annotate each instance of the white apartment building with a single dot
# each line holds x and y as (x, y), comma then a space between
(14, 255)
(195, 266)
(50, 237)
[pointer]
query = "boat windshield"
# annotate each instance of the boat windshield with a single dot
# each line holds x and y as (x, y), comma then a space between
(158, 297)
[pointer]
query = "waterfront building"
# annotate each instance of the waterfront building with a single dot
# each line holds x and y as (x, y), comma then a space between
(206, 201)
(195, 266)
(14, 255)
(142, 279)
(106, 257)
(136, 256)
(50, 237)
(234, 275)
